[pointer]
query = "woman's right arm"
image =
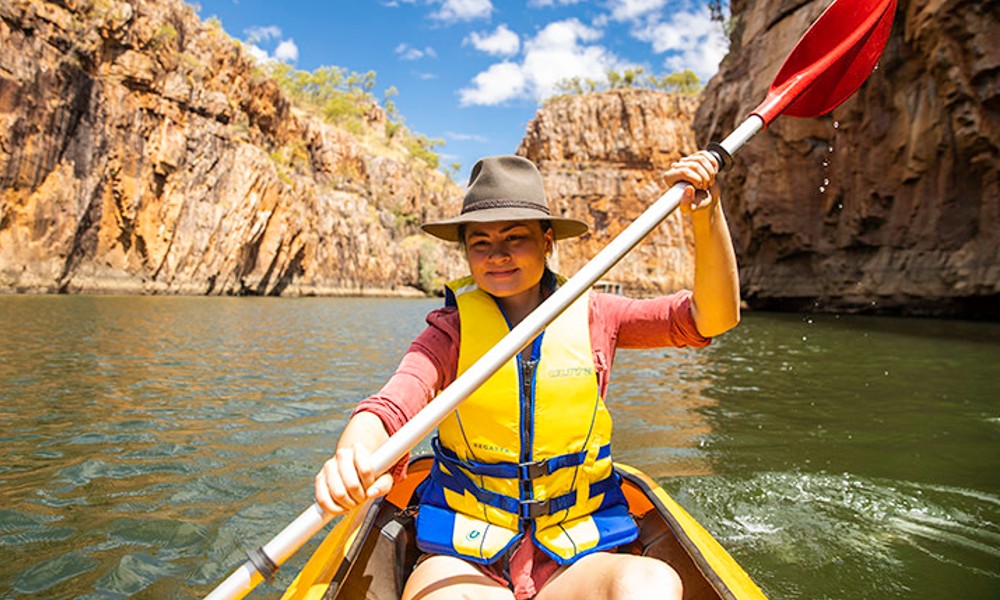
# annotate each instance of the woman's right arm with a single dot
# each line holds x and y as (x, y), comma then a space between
(347, 479)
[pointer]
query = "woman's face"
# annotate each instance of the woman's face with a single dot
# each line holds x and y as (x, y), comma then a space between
(507, 258)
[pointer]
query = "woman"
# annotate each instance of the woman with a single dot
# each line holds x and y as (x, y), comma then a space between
(522, 500)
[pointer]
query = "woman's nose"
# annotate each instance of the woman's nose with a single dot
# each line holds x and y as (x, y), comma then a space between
(499, 253)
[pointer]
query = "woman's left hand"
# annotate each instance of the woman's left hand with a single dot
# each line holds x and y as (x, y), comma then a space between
(698, 169)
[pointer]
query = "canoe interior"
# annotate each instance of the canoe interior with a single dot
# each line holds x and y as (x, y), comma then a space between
(378, 549)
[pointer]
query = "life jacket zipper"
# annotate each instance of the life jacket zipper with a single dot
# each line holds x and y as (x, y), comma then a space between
(527, 374)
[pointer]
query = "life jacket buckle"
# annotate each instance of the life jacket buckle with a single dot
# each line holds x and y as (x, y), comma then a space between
(532, 509)
(533, 470)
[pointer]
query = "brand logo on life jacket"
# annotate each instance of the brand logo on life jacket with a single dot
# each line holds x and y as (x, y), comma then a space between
(473, 534)
(492, 448)
(570, 372)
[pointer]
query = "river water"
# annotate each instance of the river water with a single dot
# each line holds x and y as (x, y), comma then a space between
(147, 441)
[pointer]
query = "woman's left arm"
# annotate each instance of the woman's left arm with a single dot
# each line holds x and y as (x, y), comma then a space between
(716, 301)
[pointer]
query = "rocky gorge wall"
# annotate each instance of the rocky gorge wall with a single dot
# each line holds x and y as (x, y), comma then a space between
(892, 202)
(601, 155)
(140, 152)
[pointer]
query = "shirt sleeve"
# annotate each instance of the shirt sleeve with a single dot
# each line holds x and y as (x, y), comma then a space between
(428, 366)
(647, 323)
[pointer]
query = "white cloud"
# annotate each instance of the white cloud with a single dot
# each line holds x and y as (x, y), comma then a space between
(497, 84)
(258, 54)
(262, 33)
(628, 10)
(467, 137)
(407, 52)
(550, 3)
(502, 42)
(287, 51)
(284, 51)
(560, 51)
(464, 10)
(693, 40)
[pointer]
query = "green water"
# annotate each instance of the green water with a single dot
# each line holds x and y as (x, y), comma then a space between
(146, 442)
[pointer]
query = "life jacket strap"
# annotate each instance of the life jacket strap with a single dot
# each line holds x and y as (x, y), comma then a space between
(457, 481)
(512, 470)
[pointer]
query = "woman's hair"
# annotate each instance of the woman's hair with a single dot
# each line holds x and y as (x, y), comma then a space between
(544, 223)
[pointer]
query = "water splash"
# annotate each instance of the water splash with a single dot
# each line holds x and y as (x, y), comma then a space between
(849, 524)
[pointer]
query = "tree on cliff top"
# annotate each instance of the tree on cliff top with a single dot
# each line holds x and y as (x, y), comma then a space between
(346, 99)
(680, 82)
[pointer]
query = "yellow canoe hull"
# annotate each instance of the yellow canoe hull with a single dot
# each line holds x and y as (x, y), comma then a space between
(369, 551)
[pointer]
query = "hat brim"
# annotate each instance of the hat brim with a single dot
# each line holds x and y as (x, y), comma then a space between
(562, 227)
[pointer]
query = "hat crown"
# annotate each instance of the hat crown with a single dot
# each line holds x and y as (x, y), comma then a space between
(505, 188)
(505, 182)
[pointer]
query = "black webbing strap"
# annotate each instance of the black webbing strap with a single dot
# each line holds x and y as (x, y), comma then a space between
(263, 563)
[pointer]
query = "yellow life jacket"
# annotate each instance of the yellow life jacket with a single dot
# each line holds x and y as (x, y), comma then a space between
(530, 449)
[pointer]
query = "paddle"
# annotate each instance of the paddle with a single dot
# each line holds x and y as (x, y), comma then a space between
(829, 63)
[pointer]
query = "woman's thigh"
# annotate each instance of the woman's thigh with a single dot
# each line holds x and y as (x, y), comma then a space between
(439, 577)
(610, 576)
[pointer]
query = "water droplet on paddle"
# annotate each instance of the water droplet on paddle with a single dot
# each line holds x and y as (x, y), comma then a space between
(836, 124)
(826, 181)
(826, 163)
(875, 68)
(822, 189)
(829, 149)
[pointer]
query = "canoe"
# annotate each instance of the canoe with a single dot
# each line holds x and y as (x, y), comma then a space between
(370, 551)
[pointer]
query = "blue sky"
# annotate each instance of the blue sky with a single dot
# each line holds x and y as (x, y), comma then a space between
(474, 72)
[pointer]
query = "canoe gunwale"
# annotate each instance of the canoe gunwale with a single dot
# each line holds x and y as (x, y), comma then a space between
(693, 550)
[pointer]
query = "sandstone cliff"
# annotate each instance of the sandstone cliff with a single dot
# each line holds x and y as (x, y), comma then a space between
(601, 155)
(140, 152)
(891, 203)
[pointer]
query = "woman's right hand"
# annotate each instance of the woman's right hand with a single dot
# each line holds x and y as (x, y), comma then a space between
(348, 480)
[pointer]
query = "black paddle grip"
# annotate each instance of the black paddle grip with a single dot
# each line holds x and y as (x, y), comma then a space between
(263, 563)
(721, 154)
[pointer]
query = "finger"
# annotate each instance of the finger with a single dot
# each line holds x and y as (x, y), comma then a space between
(335, 483)
(353, 488)
(687, 199)
(323, 497)
(680, 171)
(706, 165)
(363, 466)
(703, 170)
(381, 486)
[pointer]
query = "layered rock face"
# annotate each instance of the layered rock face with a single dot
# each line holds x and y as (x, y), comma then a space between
(601, 155)
(889, 204)
(140, 152)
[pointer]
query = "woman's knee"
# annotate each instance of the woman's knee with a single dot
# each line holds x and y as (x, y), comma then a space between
(438, 577)
(643, 577)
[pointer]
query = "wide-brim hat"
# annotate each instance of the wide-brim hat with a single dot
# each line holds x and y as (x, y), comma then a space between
(505, 188)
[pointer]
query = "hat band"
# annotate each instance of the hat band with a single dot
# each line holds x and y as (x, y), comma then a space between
(487, 204)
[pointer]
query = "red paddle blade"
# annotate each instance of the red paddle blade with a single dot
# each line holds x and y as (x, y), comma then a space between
(831, 61)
